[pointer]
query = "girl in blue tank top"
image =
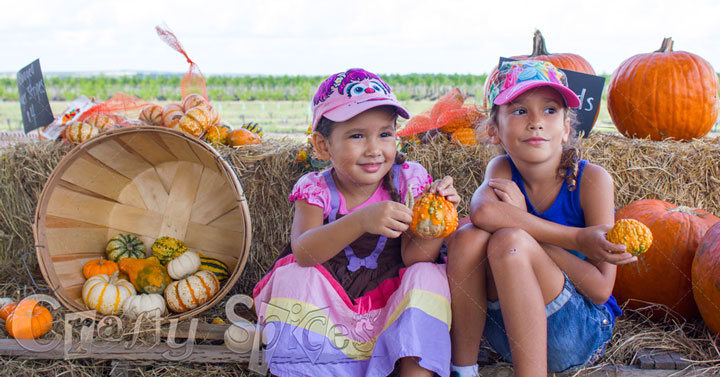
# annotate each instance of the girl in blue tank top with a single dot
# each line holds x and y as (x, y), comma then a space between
(534, 272)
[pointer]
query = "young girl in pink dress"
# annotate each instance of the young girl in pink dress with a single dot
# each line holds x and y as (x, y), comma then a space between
(356, 291)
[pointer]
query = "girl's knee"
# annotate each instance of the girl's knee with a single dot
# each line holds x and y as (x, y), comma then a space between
(508, 242)
(468, 245)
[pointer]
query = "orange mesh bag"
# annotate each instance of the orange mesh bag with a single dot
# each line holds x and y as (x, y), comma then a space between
(120, 103)
(451, 100)
(464, 117)
(430, 120)
(193, 82)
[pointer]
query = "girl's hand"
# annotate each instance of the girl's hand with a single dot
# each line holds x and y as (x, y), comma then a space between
(594, 245)
(386, 218)
(445, 188)
(508, 192)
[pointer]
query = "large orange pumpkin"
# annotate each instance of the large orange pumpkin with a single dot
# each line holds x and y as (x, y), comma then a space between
(572, 62)
(706, 279)
(664, 94)
(29, 320)
(662, 274)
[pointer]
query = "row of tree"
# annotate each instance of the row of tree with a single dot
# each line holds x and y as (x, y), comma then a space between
(236, 88)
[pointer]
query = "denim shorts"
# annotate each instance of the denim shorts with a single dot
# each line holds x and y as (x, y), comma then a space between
(577, 330)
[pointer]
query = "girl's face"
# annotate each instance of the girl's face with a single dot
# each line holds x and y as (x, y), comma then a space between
(533, 126)
(362, 149)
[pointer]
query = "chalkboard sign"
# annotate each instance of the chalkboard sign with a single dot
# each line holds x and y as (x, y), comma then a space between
(589, 89)
(34, 103)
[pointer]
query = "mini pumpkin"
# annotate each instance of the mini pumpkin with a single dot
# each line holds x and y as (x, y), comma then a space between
(78, 132)
(193, 100)
(194, 121)
(101, 121)
(191, 292)
(184, 265)
(40, 320)
(152, 114)
(124, 246)
(99, 266)
(433, 216)
(217, 134)
(167, 248)
(216, 266)
(106, 293)
(635, 235)
(153, 305)
(147, 275)
(172, 113)
(242, 136)
(6, 308)
(253, 127)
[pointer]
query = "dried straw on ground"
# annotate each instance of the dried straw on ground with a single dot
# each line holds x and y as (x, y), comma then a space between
(681, 173)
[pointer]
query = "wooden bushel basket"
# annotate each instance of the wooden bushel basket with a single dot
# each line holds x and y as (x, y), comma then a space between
(148, 181)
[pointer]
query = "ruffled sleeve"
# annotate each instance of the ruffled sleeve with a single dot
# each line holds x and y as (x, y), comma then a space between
(313, 189)
(415, 174)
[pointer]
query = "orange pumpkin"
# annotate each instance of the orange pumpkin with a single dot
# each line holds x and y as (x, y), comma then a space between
(99, 266)
(172, 113)
(664, 94)
(572, 62)
(6, 309)
(29, 320)
(706, 279)
(464, 117)
(662, 274)
(152, 114)
(242, 136)
(433, 216)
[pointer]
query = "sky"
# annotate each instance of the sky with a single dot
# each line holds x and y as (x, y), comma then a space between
(319, 37)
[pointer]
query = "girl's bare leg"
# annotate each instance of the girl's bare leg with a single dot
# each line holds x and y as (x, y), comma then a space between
(466, 270)
(409, 367)
(526, 280)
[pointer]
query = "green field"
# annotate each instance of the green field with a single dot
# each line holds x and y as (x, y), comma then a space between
(274, 116)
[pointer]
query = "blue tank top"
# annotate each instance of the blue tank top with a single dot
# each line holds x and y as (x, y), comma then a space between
(565, 210)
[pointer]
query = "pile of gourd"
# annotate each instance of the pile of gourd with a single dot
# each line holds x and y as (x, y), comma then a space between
(174, 278)
(197, 117)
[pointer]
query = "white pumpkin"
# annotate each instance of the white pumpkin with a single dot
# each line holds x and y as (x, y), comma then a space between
(183, 266)
(153, 305)
(191, 292)
(106, 293)
(240, 337)
(5, 300)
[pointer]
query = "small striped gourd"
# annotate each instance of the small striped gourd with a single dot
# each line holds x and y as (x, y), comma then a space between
(167, 248)
(253, 127)
(191, 292)
(106, 293)
(124, 246)
(215, 266)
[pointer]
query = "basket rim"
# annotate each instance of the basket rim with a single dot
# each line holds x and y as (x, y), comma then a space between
(38, 225)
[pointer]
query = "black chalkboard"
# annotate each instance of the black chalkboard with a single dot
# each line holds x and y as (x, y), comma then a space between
(589, 88)
(34, 103)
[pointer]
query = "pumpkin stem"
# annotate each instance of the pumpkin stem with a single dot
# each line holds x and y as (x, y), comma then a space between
(667, 45)
(539, 47)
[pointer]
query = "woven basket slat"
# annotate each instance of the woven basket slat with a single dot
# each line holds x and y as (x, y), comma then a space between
(180, 200)
(150, 182)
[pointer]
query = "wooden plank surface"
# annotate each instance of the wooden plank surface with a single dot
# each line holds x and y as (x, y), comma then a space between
(180, 200)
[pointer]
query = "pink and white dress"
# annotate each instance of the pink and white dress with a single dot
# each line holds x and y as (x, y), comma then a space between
(362, 310)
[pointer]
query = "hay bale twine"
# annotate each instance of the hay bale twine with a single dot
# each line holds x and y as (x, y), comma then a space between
(148, 181)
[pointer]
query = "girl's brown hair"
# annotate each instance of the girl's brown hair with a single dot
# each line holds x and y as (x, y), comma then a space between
(325, 128)
(571, 154)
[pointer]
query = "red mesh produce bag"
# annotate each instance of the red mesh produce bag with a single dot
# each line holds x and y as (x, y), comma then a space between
(119, 103)
(193, 81)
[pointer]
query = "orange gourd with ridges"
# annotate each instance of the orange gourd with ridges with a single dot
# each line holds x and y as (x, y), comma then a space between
(433, 216)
